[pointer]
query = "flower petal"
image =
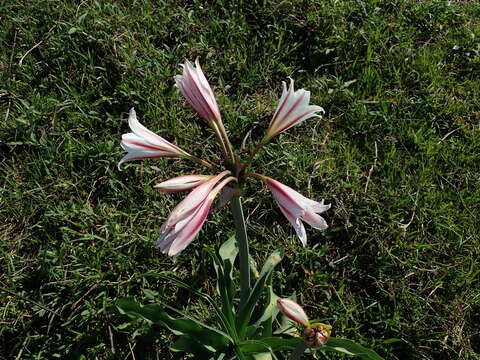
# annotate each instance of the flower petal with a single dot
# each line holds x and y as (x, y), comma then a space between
(194, 199)
(293, 108)
(315, 220)
(293, 311)
(144, 144)
(197, 91)
(318, 207)
(150, 136)
(287, 197)
(296, 223)
(187, 234)
(182, 183)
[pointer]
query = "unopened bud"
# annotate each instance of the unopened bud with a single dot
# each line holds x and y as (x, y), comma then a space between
(317, 334)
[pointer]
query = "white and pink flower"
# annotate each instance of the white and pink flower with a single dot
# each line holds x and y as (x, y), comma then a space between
(297, 208)
(142, 143)
(182, 183)
(195, 88)
(293, 108)
(188, 217)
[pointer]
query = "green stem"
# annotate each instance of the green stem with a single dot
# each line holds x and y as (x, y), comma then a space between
(220, 140)
(243, 255)
(226, 140)
(247, 162)
(298, 352)
(240, 354)
(201, 161)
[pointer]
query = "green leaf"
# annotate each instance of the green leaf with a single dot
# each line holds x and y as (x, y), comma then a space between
(270, 312)
(224, 271)
(270, 344)
(179, 326)
(228, 253)
(222, 319)
(348, 347)
(229, 250)
(263, 356)
(189, 345)
(258, 289)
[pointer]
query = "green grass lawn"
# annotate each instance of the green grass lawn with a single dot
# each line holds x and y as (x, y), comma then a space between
(397, 154)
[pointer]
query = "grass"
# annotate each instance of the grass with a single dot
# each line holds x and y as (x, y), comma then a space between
(397, 154)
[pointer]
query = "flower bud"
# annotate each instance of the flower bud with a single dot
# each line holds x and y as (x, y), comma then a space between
(293, 311)
(317, 334)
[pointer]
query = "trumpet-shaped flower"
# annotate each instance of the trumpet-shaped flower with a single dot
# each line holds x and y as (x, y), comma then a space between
(196, 90)
(297, 208)
(188, 217)
(293, 311)
(182, 183)
(144, 144)
(293, 108)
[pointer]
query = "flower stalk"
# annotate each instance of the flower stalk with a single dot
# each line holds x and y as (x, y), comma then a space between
(201, 162)
(230, 156)
(250, 158)
(243, 251)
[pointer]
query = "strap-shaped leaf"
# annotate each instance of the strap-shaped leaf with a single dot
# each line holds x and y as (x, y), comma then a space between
(256, 292)
(190, 345)
(226, 325)
(348, 347)
(179, 326)
(223, 270)
(262, 356)
(270, 312)
(270, 344)
(228, 252)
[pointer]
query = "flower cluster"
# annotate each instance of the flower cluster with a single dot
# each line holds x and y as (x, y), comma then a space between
(189, 215)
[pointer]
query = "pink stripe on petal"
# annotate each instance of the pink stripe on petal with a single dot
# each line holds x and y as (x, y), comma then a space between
(194, 199)
(148, 135)
(206, 87)
(286, 95)
(205, 97)
(287, 199)
(293, 311)
(188, 233)
(144, 145)
(292, 109)
(196, 102)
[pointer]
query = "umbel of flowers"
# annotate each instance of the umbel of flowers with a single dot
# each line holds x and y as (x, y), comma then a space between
(246, 324)
(188, 217)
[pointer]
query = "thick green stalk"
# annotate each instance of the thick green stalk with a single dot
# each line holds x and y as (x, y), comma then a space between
(240, 354)
(243, 255)
(298, 352)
